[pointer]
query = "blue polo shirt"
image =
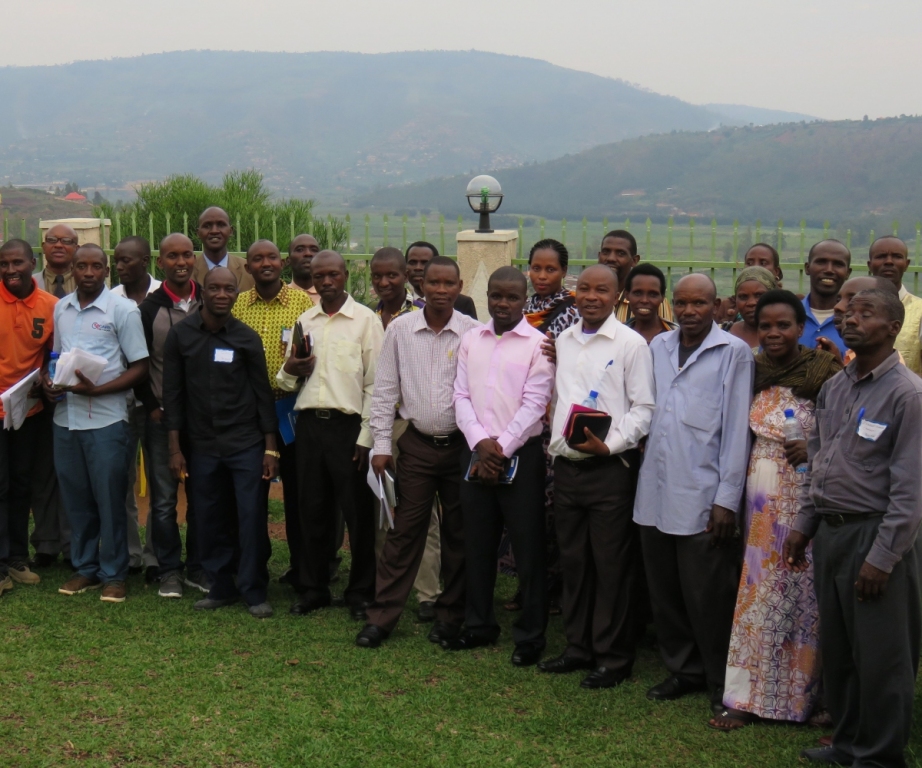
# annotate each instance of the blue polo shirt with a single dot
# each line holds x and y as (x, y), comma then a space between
(109, 327)
(813, 328)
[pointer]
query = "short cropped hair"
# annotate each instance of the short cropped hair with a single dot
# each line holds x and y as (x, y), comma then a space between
(421, 244)
(17, 244)
(646, 269)
(510, 274)
(388, 253)
(781, 296)
(891, 301)
(139, 242)
(441, 261)
(624, 235)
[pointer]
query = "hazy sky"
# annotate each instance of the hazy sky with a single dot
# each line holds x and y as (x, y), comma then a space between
(829, 58)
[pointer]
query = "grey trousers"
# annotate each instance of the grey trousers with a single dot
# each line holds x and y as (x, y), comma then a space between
(51, 534)
(693, 592)
(870, 649)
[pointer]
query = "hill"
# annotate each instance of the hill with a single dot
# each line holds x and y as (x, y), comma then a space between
(316, 121)
(33, 205)
(832, 170)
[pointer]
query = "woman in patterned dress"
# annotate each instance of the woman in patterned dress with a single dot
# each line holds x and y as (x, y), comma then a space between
(773, 668)
(551, 309)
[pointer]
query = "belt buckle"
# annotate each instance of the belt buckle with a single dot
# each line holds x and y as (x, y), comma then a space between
(441, 441)
(835, 520)
(322, 413)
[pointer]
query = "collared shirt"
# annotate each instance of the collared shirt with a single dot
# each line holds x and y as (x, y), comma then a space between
(698, 451)
(48, 277)
(410, 304)
(119, 290)
(273, 320)
(28, 333)
(623, 309)
(503, 385)
(849, 473)
(215, 386)
(417, 369)
(666, 324)
(346, 346)
(814, 328)
(212, 264)
(111, 327)
(625, 387)
(315, 297)
(183, 304)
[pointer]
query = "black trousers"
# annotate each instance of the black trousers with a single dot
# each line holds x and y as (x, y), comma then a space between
(870, 648)
(593, 508)
(521, 507)
(693, 591)
(329, 478)
(16, 460)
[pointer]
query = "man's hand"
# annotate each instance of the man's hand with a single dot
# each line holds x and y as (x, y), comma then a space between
(156, 415)
(270, 467)
(592, 445)
(872, 582)
(827, 345)
(549, 348)
(484, 474)
(300, 368)
(722, 524)
(51, 392)
(361, 457)
(795, 451)
(85, 387)
(491, 456)
(177, 466)
(381, 463)
(794, 551)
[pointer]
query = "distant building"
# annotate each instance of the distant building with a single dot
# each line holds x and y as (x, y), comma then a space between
(75, 197)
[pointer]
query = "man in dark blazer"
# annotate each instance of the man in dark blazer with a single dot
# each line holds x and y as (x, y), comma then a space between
(214, 230)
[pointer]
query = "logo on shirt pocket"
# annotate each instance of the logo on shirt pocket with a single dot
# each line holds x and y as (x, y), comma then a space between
(105, 327)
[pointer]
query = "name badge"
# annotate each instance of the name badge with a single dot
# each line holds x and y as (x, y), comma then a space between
(286, 336)
(871, 430)
(224, 355)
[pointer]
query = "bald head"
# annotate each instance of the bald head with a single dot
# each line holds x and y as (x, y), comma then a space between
(175, 241)
(211, 212)
(697, 282)
(176, 259)
(59, 247)
(601, 272)
(328, 257)
(219, 275)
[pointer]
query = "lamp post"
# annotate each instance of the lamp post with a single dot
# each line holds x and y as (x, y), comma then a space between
(484, 195)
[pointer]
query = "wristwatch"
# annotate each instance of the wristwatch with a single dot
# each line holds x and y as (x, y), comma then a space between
(274, 453)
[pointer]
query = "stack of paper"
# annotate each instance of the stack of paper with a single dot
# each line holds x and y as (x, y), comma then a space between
(90, 365)
(384, 492)
(16, 401)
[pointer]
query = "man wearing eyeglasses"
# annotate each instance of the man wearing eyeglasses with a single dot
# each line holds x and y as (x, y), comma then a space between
(59, 247)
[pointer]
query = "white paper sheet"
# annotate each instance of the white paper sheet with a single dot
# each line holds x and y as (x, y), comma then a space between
(74, 360)
(385, 513)
(16, 401)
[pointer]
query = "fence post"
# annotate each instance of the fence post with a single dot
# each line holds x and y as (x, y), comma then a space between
(896, 227)
(310, 226)
(275, 229)
(185, 224)
(348, 233)
(422, 226)
(134, 224)
(118, 227)
(563, 231)
(871, 238)
(669, 224)
(736, 240)
(521, 245)
(691, 239)
(22, 227)
(713, 239)
(604, 227)
(255, 229)
(803, 239)
(780, 237)
(627, 225)
(6, 226)
(542, 229)
(649, 237)
(150, 227)
(915, 277)
(848, 238)
(758, 230)
(585, 224)
(460, 222)
(367, 241)
(385, 230)
(329, 228)
(237, 228)
(291, 227)
(404, 222)
(168, 227)
(442, 233)
(825, 230)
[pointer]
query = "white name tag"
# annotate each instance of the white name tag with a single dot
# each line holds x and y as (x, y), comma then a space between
(871, 430)
(286, 335)
(224, 355)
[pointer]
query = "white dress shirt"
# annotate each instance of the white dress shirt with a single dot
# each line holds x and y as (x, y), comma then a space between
(625, 387)
(346, 346)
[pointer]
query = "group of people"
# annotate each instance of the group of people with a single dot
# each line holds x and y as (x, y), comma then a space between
(751, 489)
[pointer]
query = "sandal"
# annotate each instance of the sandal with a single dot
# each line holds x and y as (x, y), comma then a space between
(731, 720)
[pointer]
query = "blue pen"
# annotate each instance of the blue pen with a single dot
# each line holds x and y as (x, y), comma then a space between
(860, 415)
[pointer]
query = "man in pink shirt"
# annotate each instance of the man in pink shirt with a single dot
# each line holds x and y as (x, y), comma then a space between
(502, 390)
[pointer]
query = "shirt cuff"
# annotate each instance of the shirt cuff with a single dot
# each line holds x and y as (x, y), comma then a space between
(286, 381)
(474, 435)
(882, 558)
(509, 443)
(365, 438)
(728, 496)
(383, 444)
(616, 444)
(806, 525)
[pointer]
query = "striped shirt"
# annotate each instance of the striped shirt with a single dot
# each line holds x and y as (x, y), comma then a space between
(417, 369)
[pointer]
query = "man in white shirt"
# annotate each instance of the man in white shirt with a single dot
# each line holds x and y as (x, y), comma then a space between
(333, 436)
(594, 483)
(135, 283)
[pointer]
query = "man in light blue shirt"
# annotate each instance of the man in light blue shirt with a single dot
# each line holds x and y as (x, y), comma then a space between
(828, 267)
(689, 491)
(91, 435)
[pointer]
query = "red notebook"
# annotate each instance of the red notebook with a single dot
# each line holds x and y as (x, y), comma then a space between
(580, 417)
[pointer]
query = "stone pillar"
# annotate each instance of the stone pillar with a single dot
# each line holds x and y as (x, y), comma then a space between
(479, 255)
(88, 230)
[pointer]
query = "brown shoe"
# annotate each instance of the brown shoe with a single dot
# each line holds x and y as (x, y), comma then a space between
(79, 584)
(113, 592)
(6, 584)
(19, 571)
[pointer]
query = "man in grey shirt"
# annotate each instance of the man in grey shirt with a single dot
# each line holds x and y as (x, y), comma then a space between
(862, 507)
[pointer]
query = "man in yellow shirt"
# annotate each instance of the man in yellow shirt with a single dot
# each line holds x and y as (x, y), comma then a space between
(272, 308)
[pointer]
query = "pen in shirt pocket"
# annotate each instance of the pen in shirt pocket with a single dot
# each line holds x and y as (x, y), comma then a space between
(860, 416)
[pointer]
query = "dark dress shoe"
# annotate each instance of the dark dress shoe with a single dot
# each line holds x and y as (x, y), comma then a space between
(526, 655)
(563, 664)
(152, 574)
(673, 688)
(370, 637)
(442, 631)
(337, 601)
(467, 641)
(305, 605)
(426, 611)
(827, 755)
(135, 570)
(605, 677)
(42, 560)
(69, 564)
(359, 611)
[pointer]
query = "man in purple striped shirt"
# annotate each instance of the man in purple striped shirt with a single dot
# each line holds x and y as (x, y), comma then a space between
(416, 370)
(502, 390)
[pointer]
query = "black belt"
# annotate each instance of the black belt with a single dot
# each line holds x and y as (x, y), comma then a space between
(327, 413)
(838, 520)
(439, 441)
(595, 462)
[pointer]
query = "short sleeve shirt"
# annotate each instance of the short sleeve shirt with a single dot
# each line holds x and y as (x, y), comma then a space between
(111, 327)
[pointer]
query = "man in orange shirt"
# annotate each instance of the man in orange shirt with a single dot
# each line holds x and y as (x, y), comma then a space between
(27, 317)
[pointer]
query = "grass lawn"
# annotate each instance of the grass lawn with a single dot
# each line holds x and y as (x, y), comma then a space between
(152, 683)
